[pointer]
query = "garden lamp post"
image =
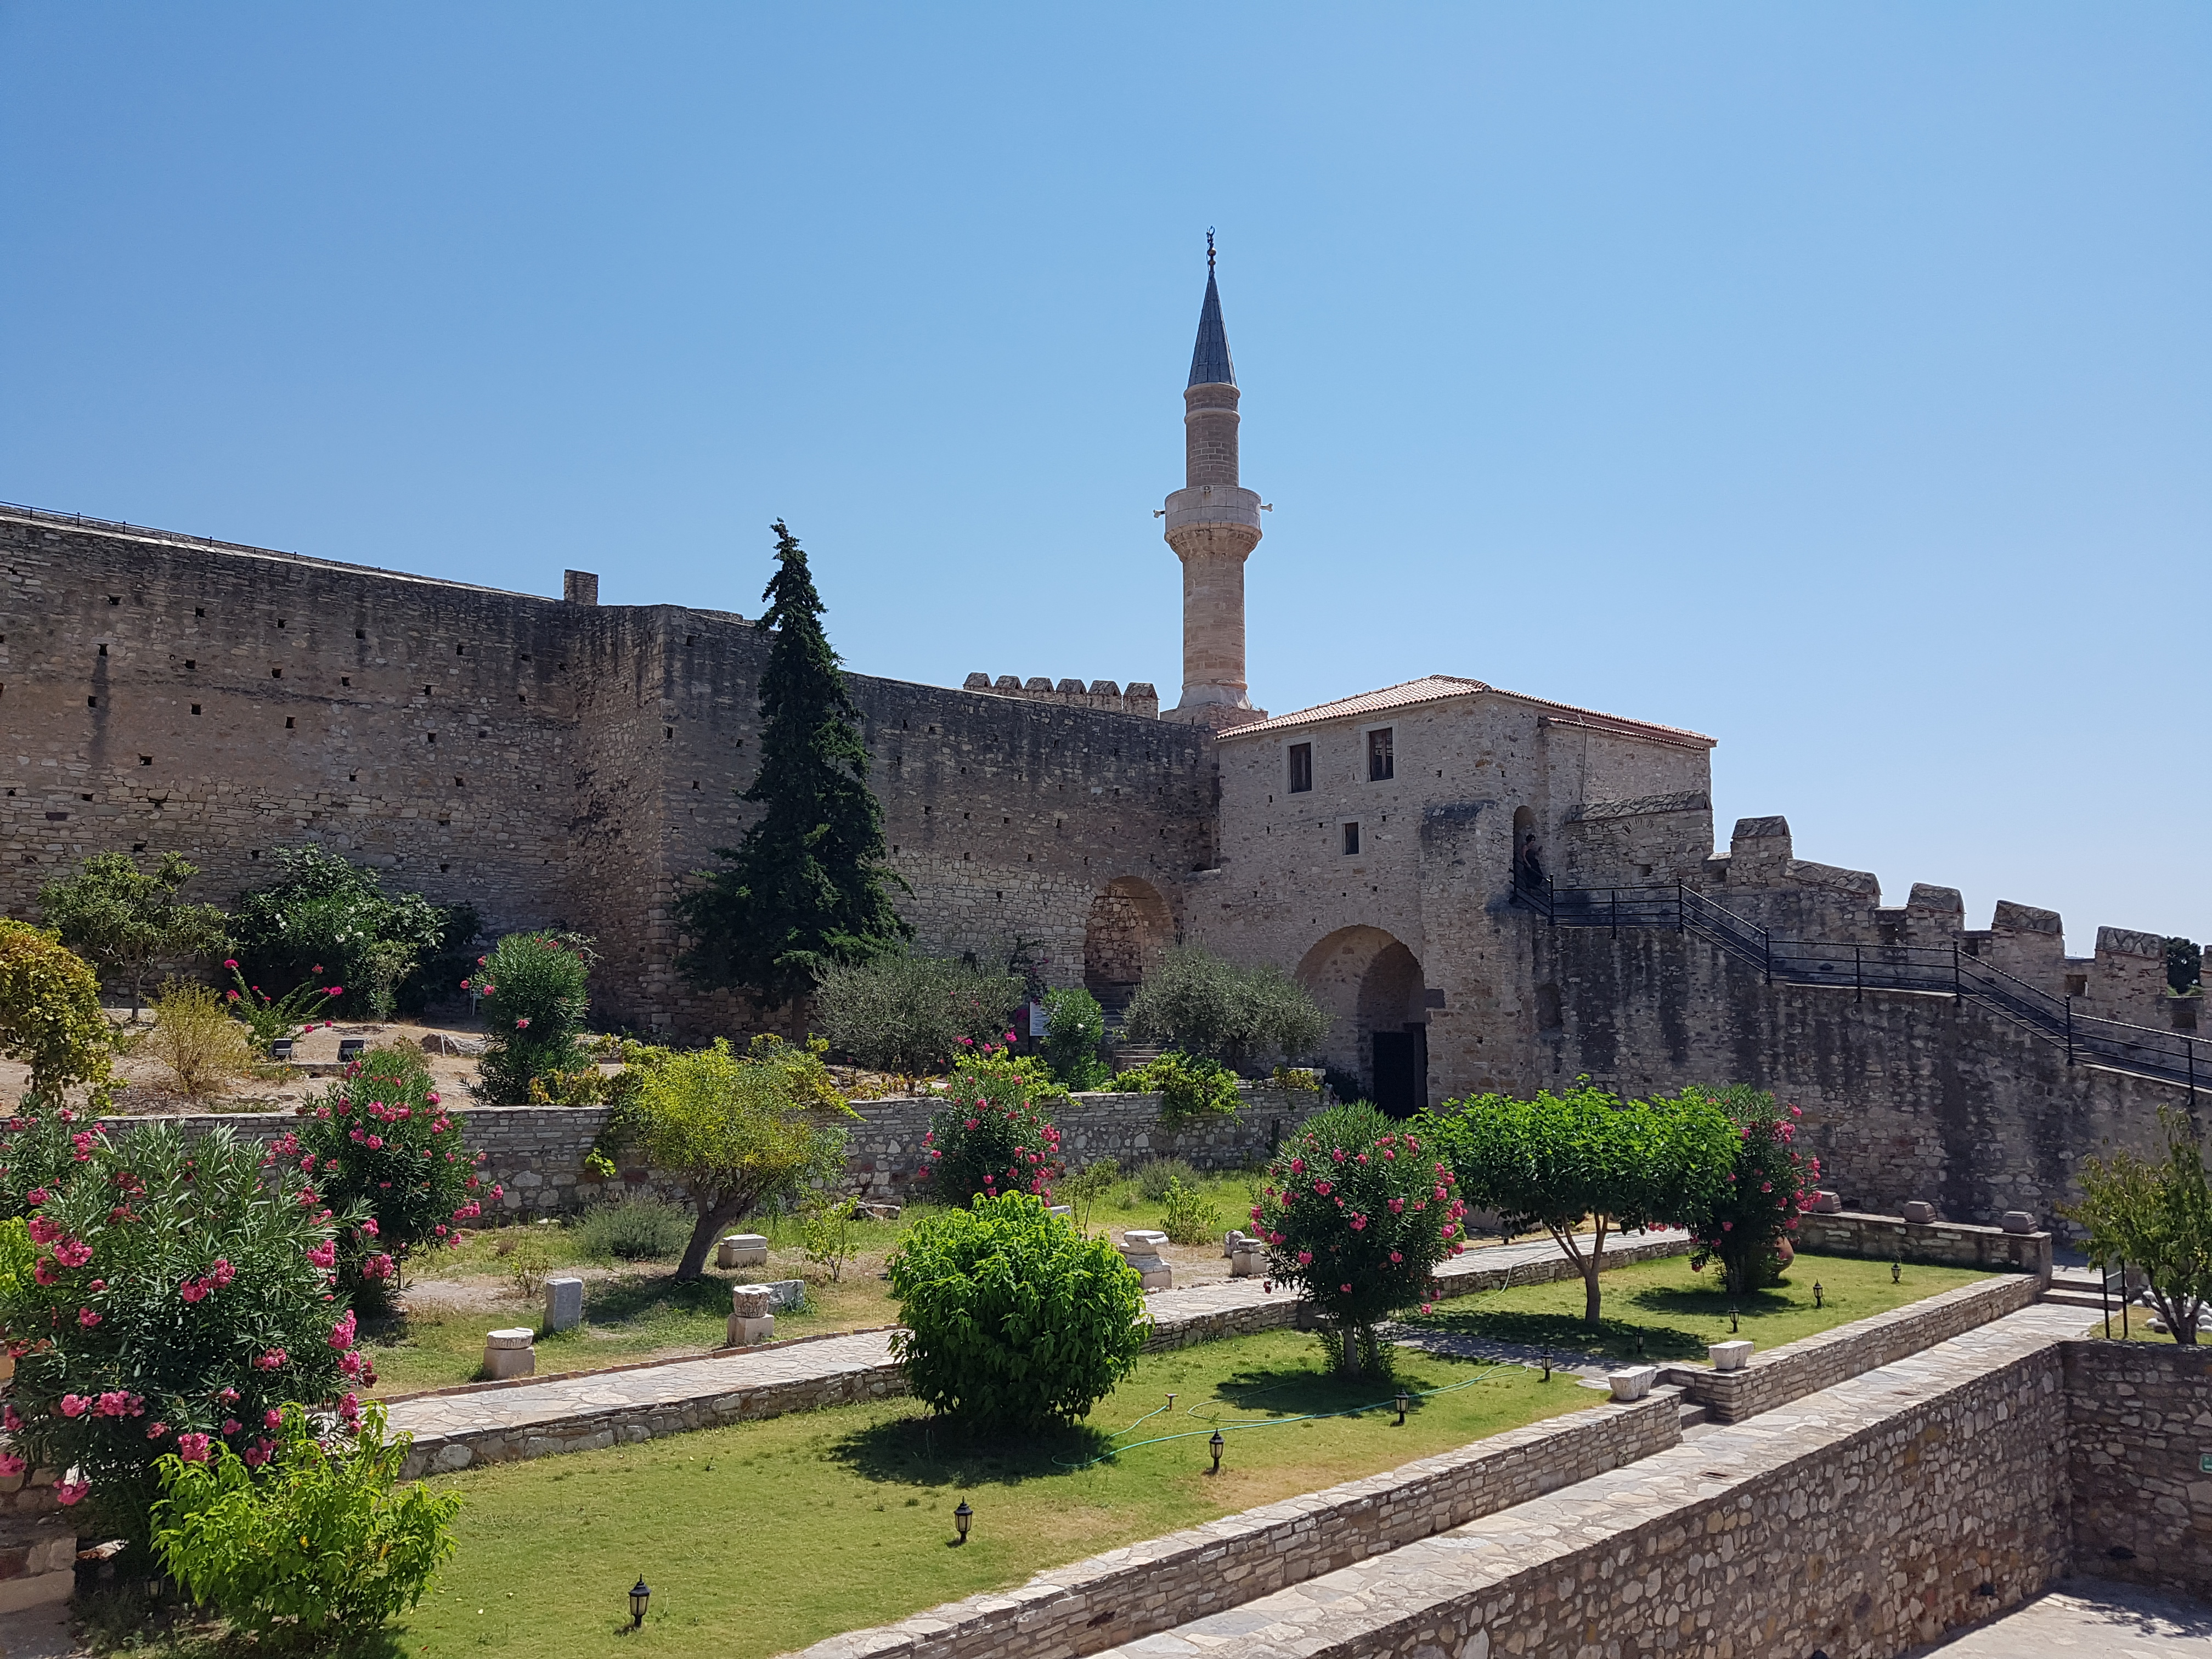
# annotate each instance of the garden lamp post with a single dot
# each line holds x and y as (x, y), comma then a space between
(639, 1595)
(1817, 1293)
(1404, 1401)
(1734, 1326)
(961, 1518)
(1897, 1273)
(1214, 1443)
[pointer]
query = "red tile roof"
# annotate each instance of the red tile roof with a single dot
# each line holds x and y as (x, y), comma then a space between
(1442, 688)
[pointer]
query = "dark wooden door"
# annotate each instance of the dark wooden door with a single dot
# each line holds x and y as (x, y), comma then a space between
(1397, 1072)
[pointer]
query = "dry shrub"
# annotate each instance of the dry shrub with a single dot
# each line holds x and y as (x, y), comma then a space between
(195, 1036)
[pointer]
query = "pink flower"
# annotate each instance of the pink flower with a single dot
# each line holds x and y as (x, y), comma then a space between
(75, 1405)
(230, 1426)
(72, 1253)
(341, 1337)
(1346, 1289)
(376, 1143)
(1397, 1255)
(1297, 1166)
(1305, 1258)
(223, 1272)
(1359, 1223)
(10, 1466)
(193, 1290)
(43, 1231)
(368, 1226)
(193, 1448)
(70, 1491)
(121, 1402)
(258, 1454)
(522, 1024)
(1397, 1206)
(10, 1421)
(230, 962)
(1321, 1187)
(154, 1431)
(228, 1396)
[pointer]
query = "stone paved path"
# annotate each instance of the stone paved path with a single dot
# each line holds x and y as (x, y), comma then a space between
(1334, 1612)
(2089, 1619)
(588, 1410)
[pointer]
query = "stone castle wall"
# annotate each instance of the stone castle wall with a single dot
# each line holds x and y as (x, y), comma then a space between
(549, 761)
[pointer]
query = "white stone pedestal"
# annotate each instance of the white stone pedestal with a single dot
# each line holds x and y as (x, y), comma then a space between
(1632, 1382)
(1141, 1249)
(511, 1352)
(1729, 1355)
(752, 1315)
(564, 1304)
(742, 1250)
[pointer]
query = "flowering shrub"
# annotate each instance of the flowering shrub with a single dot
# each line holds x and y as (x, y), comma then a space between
(273, 1020)
(1356, 1214)
(382, 1141)
(363, 1552)
(41, 1152)
(1745, 1225)
(1011, 1318)
(180, 1294)
(990, 1136)
(532, 986)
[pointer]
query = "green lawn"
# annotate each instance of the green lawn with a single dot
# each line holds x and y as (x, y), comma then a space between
(766, 1536)
(1677, 1312)
(644, 1312)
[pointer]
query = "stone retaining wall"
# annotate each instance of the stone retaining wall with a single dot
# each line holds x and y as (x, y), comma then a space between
(1939, 1244)
(2139, 1431)
(536, 1153)
(1144, 1588)
(1812, 1363)
(1858, 1545)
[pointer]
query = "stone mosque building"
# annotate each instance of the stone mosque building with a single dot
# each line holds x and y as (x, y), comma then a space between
(562, 761)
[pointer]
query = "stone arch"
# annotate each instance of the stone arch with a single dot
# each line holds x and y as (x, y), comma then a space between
(1371, 983)
(1128, 926)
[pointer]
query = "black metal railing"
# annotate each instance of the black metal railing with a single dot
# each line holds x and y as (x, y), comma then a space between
(1929, 969)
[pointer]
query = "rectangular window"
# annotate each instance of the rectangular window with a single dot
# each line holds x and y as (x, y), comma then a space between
(1301, 768)
(1380, 761)
(1350, 839)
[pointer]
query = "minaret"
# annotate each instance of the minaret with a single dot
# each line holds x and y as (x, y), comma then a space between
(1213, 524)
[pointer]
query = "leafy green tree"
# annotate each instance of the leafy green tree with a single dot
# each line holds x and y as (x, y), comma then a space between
(321, 1543)
(325, 917)
(1557, 1160)
(2157, 1216)
(908, 1014)
(1357, 1211)
(1011, 1319)
(129, 920)
(2185, 965)
(805, 889)
(1197, 1001)
(49, 1016)
(736, 1130)
(1075, 1029)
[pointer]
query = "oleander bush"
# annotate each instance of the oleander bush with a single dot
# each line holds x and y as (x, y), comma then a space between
(181, 1293)
(532, 987)
(322, 912)
(381, 1142)
(1746, 1221)
(1356, 1212)
(1013, 1320)
(991, 1136)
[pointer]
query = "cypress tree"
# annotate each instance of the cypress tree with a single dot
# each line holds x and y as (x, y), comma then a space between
(805, 889)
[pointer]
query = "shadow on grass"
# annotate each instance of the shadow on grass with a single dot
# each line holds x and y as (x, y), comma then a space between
(939, 1451)
(1566, 1334)
(635, 1296)
(115, 1619)
(1288, 1391)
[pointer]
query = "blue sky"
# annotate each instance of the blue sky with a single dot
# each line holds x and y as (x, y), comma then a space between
(1836, 379)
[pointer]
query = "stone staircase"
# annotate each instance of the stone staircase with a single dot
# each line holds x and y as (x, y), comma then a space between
(2087, 1287)
(1114, 1003)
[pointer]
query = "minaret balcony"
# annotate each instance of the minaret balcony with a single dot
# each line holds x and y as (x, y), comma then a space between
(1212, 504)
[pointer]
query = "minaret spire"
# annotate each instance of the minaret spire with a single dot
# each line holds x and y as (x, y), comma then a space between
(1213, 524)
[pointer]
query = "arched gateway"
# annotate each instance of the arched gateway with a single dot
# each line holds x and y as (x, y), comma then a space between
(1372, 984)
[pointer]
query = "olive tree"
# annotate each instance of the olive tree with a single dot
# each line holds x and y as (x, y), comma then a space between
(2158, 1215)
(129, 920)
(737, 1130)
(1196, 1001)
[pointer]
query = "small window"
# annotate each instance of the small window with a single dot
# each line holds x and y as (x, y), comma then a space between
(2077, 985)
(1350, 839)
(1380, 761)
(1301, 768)
(361, 633)
(189, 663)
(287, 722)
(145, 760)
(195, 709)
(275, 673)
(199, 611)
(345, 679)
